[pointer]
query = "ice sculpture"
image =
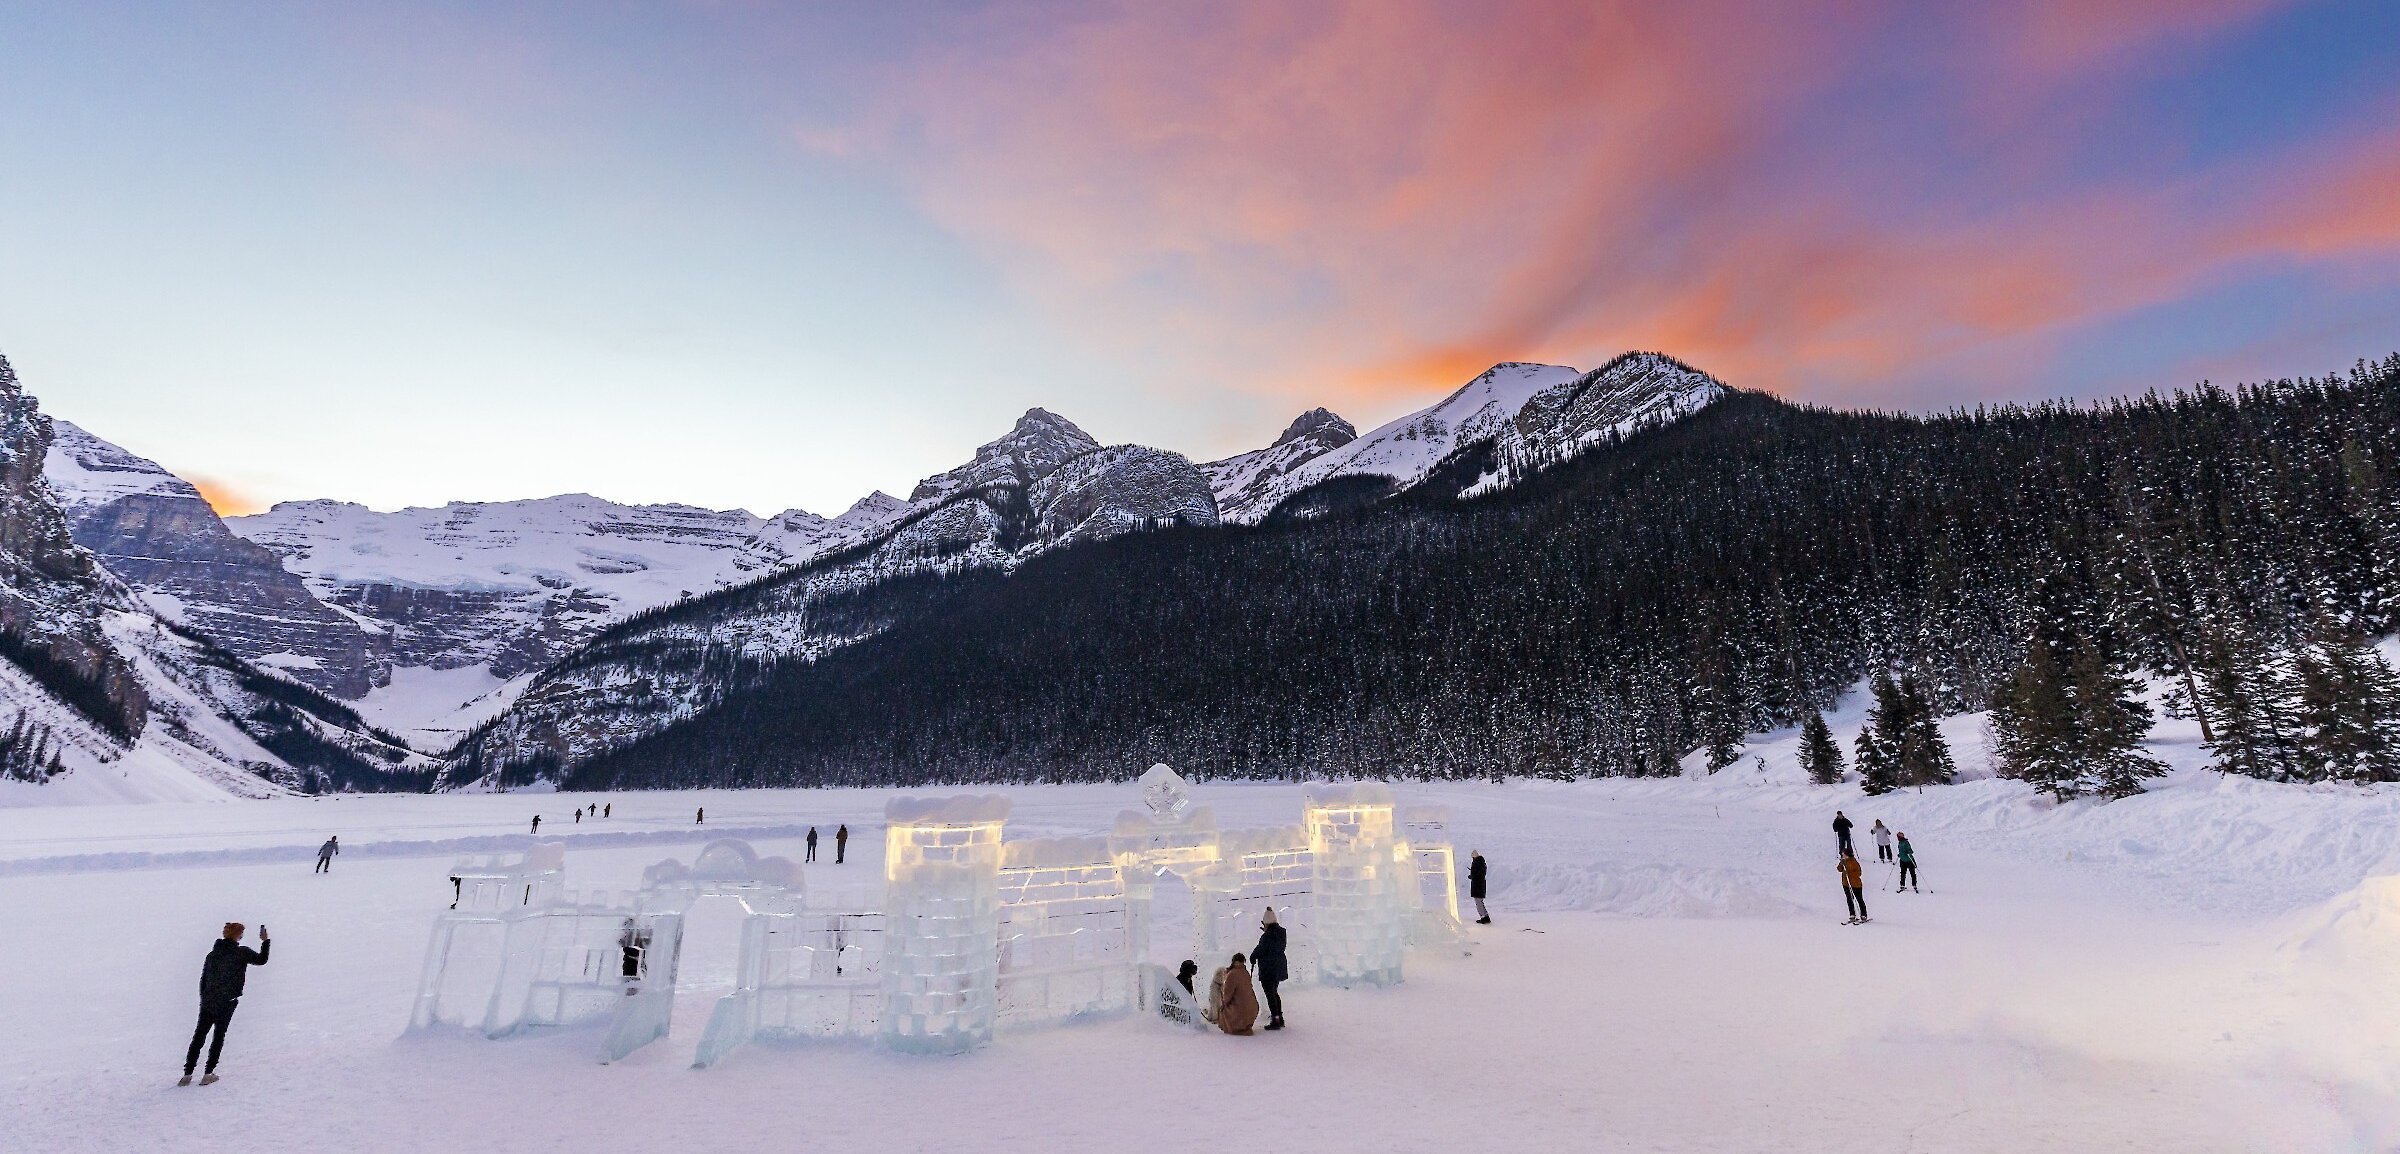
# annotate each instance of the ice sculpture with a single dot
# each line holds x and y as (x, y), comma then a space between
(1065, 931)
(517, 950)
(942, 896)
(1365, 884)
(1437, 873)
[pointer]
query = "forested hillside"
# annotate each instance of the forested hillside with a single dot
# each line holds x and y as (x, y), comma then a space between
(1724, 573)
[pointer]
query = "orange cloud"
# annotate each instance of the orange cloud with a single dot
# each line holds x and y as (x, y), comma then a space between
(227, 500)
(1385, 196)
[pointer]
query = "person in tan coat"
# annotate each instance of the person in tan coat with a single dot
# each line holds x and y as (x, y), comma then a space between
(1235, 1001)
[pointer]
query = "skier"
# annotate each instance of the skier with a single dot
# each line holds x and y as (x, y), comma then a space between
(700, 816)
(1908, 866)
(332, 846)
(841, 842)
(1475, 875)
(221, 978)
(1854, 887)
(1841, 831)
(1883, 841)
(537, 823)
(1235, 1003)
(1268, 961)
(812, 843)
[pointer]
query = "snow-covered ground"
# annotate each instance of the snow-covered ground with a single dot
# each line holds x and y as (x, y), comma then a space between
(2206, 967)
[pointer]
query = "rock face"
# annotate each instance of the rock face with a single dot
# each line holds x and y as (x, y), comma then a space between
(153, 531)
(1243, 482)
(91, 678)
(1044, 485)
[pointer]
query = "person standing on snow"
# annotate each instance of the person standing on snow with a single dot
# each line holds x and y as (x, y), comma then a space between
(1854, 887)
(332, 846)
(1235, 1002)
(579, 815)
(841, 842)
(1908, 867)
(1841, 831)
(221, 978)
(1268, 962)
(812, 843)
(609, 810)
(1883, 840)
(700, 816)
(1475, 875)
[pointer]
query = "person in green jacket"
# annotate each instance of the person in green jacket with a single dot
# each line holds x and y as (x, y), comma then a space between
(1908, 867)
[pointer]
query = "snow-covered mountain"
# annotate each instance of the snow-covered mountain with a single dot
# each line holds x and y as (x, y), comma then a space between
(101, 699)
(153, 530)
(466, 598)
(1044, 484)
(1243, 481)
(1534, 416)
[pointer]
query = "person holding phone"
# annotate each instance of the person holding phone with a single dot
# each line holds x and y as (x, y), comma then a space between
(221, 979)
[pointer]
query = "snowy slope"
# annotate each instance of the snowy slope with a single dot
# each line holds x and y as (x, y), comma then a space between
(1406, 449)
(1243, 480)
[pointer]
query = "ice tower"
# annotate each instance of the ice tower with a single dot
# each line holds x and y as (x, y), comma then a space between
(941, 961)
(1365, 884)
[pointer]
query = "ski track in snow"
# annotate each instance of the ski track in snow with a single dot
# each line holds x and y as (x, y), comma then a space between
(2206, 972)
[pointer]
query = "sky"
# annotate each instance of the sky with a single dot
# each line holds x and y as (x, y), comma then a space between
(765, 256)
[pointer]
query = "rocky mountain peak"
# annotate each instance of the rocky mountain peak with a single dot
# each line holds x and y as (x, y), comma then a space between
(1040, 442)
(1321, 425)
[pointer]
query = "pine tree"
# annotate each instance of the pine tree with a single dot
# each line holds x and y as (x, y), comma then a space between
(2243, 687)
(2110, 721)
(1910, 734)
(2349, 709)
(2033, 722)
(1883, 741)
(1820, 754)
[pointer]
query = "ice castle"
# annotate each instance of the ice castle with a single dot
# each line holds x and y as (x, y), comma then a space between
(976, 935)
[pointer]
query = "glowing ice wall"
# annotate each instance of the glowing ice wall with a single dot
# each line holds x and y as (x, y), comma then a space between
(941, 957)
(1364, 891)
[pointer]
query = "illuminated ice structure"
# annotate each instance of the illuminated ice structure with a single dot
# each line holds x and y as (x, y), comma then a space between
(976, 935)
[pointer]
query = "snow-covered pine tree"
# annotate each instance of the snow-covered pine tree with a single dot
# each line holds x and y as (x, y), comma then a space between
(1820, 754)
(1882, 740)
(2245, 690)
(1918, 752)
(2110, 721)
(2349, 708)
(2033, 723)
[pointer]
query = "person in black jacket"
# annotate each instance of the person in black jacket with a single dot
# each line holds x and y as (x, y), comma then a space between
(221, 978)
(1475, 875)
(1268, 965)
(1841, 831)
(841, 842)
(812, 843)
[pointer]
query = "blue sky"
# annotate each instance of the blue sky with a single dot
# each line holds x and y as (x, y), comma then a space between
(762, 256)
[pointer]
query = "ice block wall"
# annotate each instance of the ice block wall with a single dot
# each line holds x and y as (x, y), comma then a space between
(1364, 898)
(941, 960)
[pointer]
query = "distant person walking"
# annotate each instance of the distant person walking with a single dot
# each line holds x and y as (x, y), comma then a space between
(609, 810)
(221, 978)
(812, 843)
(1268, 962)
(1854, 887)
(1476, 872)
(1883, 840)
(579, 815)
(537, 823)
(1236, 1004)
(841, 843)
(332, 846)
(1908, 866)
(700, 816)
(1841, 831)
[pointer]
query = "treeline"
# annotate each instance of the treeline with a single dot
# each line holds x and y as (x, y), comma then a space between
(1665, 592)
(29, 751)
